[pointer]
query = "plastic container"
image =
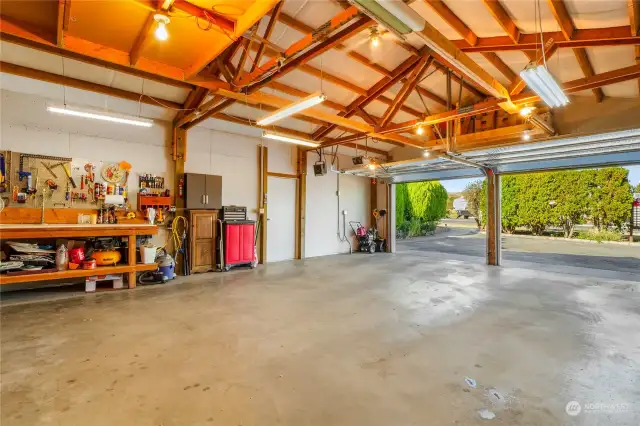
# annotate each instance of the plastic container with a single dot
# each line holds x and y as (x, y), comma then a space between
(148, 254)
(62, 258)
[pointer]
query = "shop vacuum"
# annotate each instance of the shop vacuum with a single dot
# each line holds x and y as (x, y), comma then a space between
(164, 273)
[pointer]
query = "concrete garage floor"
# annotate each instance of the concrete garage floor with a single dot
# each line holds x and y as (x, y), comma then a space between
(342, 340)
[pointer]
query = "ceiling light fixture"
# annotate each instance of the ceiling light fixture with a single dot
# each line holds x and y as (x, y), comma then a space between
(527, 111)
(420, 130)
(114, 118)
(288, 139)
(426, 153)
(374, 37)
(294, 108)
(372, 166)
(526, 136)
(161, 31)
(542, 82)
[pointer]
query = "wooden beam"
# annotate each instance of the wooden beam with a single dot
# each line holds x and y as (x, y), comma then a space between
(366, 117)
(447, 52)
(209, 15)
(373, 93)
(138, 44)
(301, 202)
(85, 85)
(275, 13)
(416, 74)
(591, 37)
(634, 16)
(568, 29)
(563, 18)
(193, 107)
(303, 28)
(503, 18)
(64, 9)
(293, 57)
(578, 85)
(587, 70)
(504, 69)
(638, 61)
(456, 23)
(252, 14)
(493, 225)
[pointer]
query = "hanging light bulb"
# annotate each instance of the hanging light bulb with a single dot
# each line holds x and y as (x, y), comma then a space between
(161, 31)
(372, 166)
(374, 37)
(527, 111)
(526, 136)
(426, 153)
(420, 130)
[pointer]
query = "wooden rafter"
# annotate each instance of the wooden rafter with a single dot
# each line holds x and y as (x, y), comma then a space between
(587, 70)
(138, 44)
(568, 28)
(638, 61)
(591, 37)
(563, 18)
(64, 10)
(311, 70)
(208, 15)
(275, 69)
(574, 86)
(275, 13)
(85, 85)
(367, 117)
(410, 83)
(220, 106)
(304, 28)
(503, 18)
(504, 69)
(634, 16)
(372, 94)
(452, 19)
(469, 36)
(308, 46)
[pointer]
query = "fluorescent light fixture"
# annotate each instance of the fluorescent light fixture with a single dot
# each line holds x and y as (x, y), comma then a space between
(77, 112)
(294, 108)
(288, 139)
(538, 78)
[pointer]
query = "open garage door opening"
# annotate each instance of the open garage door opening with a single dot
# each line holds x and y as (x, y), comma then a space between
(441, 218)
(575, 221)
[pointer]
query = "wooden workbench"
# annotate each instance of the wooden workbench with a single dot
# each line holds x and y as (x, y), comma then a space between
(22, 232)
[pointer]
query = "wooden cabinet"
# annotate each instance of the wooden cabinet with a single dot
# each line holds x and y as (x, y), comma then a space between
(202, 240)
(203, 191)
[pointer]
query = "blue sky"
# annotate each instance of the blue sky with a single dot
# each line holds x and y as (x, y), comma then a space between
(458, 185)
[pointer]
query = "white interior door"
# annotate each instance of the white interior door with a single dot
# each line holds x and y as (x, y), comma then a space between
(281, 219)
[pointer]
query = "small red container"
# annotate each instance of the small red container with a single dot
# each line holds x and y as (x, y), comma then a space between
(76, 255)
(89, 264)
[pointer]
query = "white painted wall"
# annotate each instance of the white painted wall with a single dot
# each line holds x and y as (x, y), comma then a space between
(322, 209)
(26, 126)
(235, 158)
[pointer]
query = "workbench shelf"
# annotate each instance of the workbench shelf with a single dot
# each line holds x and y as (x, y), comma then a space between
(77, 273)
(46, 231)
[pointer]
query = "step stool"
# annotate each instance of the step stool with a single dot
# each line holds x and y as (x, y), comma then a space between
(90, 283)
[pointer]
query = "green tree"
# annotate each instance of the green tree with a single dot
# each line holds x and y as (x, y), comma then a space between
(402, 201)
(610, 197)
(569, 193)
(428, 201)
(472, 193)
(534, 197)
(510, 192)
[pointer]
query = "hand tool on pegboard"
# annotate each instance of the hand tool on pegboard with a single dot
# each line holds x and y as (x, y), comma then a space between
(68, 173)
(49, 169)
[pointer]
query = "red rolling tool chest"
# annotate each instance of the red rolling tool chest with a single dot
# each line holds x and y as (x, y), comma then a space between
(237, 238)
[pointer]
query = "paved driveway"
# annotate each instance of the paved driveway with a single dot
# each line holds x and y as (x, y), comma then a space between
(546, 253)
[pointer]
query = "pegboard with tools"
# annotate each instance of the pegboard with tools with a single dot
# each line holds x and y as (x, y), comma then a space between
(63, 182)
